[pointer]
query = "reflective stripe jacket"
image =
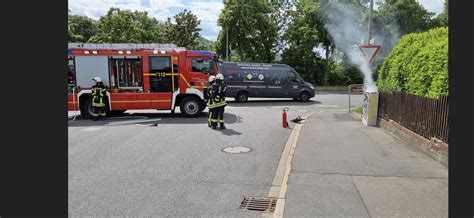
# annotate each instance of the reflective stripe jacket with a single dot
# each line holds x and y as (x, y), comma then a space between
(207, 95)
(98, 95)
(218, 94)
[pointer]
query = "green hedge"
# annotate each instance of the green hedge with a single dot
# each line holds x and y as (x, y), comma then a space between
(417, 65)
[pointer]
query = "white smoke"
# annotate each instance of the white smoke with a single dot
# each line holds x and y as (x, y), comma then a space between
(347, 31)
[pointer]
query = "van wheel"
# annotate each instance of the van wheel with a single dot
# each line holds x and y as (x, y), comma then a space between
(190, 107)
(242, 97)
(304, 96)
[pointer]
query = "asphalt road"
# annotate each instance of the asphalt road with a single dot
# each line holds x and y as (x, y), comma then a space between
(124, 166)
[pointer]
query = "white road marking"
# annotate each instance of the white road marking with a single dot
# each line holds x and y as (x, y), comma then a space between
(90, 129)
(131, 122)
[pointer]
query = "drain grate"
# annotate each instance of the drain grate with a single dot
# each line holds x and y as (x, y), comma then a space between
(259, 204)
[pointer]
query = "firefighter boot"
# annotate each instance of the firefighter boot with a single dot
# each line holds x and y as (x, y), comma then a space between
(222, 126)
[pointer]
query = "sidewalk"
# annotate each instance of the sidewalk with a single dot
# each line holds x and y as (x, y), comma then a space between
(343, 168)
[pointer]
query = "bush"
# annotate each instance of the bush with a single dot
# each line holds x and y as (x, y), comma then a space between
(417, 65)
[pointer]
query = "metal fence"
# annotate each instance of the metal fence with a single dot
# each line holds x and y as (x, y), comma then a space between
(425, 116)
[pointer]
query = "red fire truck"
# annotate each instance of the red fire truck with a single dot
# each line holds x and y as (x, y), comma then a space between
(139, 76)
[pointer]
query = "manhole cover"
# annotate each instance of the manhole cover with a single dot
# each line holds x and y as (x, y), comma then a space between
(236, 150)
(259, 204)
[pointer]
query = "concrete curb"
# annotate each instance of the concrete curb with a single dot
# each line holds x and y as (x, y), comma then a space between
(280, 179)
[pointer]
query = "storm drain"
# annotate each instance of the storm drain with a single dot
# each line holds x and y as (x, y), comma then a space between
(259, 204)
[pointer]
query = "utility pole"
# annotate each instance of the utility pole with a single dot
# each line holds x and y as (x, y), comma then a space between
(371, 5)
(227, 47)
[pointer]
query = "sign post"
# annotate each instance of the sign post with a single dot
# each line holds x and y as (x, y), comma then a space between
(354, 88)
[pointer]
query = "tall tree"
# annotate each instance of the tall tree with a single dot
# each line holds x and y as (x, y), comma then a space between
(184, 31)
(125, 26)
(204, 44)
(251, 32)
(304, 37)
(409, 15)
(281, 17)
(81, 28)
(442, 19)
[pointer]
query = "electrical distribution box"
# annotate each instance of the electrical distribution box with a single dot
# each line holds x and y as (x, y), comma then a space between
(370, 109)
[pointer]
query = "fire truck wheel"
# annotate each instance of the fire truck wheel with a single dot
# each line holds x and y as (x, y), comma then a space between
(304, 96)
(190, 107)
(87, 110)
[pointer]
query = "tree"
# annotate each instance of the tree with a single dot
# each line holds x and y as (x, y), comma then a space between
(204, 44)
(303, 36)
(442, 19)
(81, 28)
(125, 26)
(281, 17)
(400, 17)
(185, 31)
(251, 32)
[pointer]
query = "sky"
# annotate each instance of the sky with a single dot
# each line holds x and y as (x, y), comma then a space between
(206, 10)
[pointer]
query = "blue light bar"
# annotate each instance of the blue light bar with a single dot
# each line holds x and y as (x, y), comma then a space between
(204, 52)
(69, 52)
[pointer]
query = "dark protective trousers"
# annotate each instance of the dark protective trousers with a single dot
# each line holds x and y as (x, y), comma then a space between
(218, 116)
(210, 118)
(100, 111)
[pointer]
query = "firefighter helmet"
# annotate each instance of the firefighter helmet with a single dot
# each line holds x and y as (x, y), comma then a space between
(220, 77)
(212, 78)
(97, 79)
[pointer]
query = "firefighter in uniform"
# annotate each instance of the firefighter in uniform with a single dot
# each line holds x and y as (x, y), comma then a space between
(210, 102)
(218, 94)
(99, 94)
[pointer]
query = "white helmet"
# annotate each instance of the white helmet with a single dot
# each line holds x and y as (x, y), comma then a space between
(97, 79)
(220, 77)
(212, 78)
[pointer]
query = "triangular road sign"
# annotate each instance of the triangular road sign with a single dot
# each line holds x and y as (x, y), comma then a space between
(369, 51)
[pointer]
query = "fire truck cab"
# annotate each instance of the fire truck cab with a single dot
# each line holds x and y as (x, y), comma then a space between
(139, 76)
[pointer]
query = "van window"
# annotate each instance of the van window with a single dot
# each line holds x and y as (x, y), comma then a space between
(277, 77)
(292, 77)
